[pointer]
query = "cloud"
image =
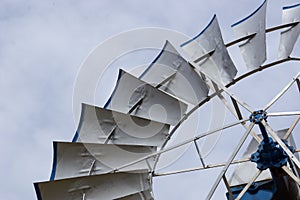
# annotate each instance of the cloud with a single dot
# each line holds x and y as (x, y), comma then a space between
(43, 43)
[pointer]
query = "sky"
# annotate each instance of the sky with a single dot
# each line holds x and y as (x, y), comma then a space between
(42, 47)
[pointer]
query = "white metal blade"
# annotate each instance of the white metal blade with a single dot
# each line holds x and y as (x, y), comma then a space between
(97, 187)
(254, 49)
(152, 103)
(208, 50)
(97, 123)
(290, 35)
(186, 83)
(83, 159)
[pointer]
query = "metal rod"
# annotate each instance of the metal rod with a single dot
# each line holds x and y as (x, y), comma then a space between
(149, 166)
(264, 132)
(263, 67)
(293, 168)
(267, 31)
(110, 134)
(209, 166)
(281, 26)
(283, 114)
(280, 142)
(166, 80)
(298, 83)
(180, 144)
(225, 89)
(199, 154)
(282, 92)
(291, 174)
(142, 97)
(92, 166)
(225, 168)
(289, 132)
(204, 56)
(248, 185)
(237, 109)
(136, 105)
(228, 187)
(247, 37)
(229, 107)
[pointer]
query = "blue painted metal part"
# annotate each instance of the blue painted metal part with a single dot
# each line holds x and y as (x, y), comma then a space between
(258, 116)
(270, 155)
(262, 190)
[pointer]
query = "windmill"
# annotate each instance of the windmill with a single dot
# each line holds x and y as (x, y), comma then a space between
(115, 150)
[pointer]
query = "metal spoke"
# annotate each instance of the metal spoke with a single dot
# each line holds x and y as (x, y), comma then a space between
(248, 185)
(298, 83)
(288, 133)
(209, 166)
(228, 187)
(207, 99)
(284, 90)
(235, 113)
(199, 153)
(236, 106)
(225, 89)
(280, 114)
(224, 170)
(180, 144)
(291, 174)
(149, 166)
(280, 142)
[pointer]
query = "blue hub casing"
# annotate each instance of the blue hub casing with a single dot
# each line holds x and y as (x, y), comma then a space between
(270, 154)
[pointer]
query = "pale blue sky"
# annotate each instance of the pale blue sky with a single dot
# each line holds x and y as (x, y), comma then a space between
(42, 46)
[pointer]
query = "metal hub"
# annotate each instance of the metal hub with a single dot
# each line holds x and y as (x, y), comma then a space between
(258, 116)
(269, 154)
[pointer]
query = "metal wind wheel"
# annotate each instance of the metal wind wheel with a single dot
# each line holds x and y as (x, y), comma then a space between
(116, 149)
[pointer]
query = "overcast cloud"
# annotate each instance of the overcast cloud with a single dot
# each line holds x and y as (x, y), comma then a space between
(42, 45)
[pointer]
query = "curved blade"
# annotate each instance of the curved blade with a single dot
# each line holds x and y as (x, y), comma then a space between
(185, 84)
(254, 49)
(207, 49)
(289, 36)
(96, 124)
(83, 159)
(143, 100)
(97, 187)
